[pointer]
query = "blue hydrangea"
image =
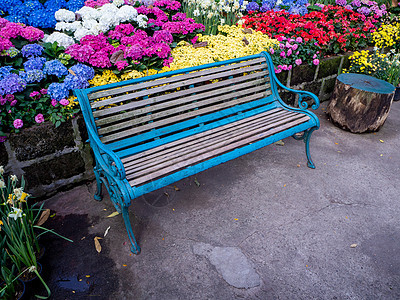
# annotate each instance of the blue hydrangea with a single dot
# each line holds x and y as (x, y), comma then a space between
(303, 10)
(32, 76)
(252, 6)
(55, 5)
(25, 9)
(32, 50)
(287, 2)
(5, 71)
(83, 71)
(35, 63)
(55, 67)
(16, 19)
(58, 91)
(12, 84)
(43, 18)
(6, 5)
(301, 2)
(75, 5)
(75, 82)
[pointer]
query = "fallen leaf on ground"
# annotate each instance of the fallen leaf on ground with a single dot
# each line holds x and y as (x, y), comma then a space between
(279, 143)
(124, 265)
(97, 243)
(43, 217)
(176, 188)
(196, 181)
(298, 166)
(87, 276)
(115, 213)
(53, 215)
(105, 233)
(353, 245)
(382, 141)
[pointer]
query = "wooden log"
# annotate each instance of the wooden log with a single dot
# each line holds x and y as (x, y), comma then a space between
(360, 103)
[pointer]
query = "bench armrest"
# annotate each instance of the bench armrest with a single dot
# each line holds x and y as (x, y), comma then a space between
(107, 159)
(302, 94)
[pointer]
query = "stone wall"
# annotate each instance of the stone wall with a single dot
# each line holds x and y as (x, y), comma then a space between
(319, 80)
(51, 159)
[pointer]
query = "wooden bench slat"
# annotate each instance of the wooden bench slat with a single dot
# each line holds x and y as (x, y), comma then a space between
(171, 79)
(173, 86)
(198, 156)
(207, 141)
(132, 131)
(127, 161)
(164, 110)
(201, 91)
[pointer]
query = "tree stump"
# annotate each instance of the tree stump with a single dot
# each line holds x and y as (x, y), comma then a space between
(360, 103)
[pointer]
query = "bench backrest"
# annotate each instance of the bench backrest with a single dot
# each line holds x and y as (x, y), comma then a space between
(133, 112)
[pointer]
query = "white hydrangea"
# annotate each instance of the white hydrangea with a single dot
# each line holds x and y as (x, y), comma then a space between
(118, 3)
(87, 13)
(89, 24)
(61, 38)
(108, 8)
(127, 13)
(63, 26)
(142, 21)
(64, 15)
(108, 21)
(80, 33)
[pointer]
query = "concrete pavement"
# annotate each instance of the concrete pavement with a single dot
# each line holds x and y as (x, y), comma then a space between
(263, 226)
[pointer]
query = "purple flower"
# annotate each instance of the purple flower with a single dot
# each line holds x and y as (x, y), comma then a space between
(54, 102)
(2, 138)
(341, 2)
(252, 6)
(39, 118)
(356, 3)
(289, 52)
(32, 50)
(12, 84)
(364, 10)
(18, 123)
(271, 50)
(283, 54)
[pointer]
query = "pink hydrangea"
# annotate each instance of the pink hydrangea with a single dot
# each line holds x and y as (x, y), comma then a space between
(18, 123)
(121, 64)
(39, 118)
(34, 94)
(64, 102)
(32, 34)
(5, 44)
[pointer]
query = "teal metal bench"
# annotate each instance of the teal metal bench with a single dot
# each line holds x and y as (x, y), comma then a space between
(149, 132)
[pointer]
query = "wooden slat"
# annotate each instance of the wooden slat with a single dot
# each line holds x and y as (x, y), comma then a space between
(206, 142)
(217, 149)
(182, 117)
(127, 161)
(217, 87)
(159, 88)
(163, 111)
(163, 80)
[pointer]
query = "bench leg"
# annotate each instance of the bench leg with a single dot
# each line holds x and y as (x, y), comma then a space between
(98, 195)
(306, 138)
(134, 246)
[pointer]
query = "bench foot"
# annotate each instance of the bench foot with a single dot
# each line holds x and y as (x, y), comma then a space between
(98, 195)
(135, 249)
(305, 136)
